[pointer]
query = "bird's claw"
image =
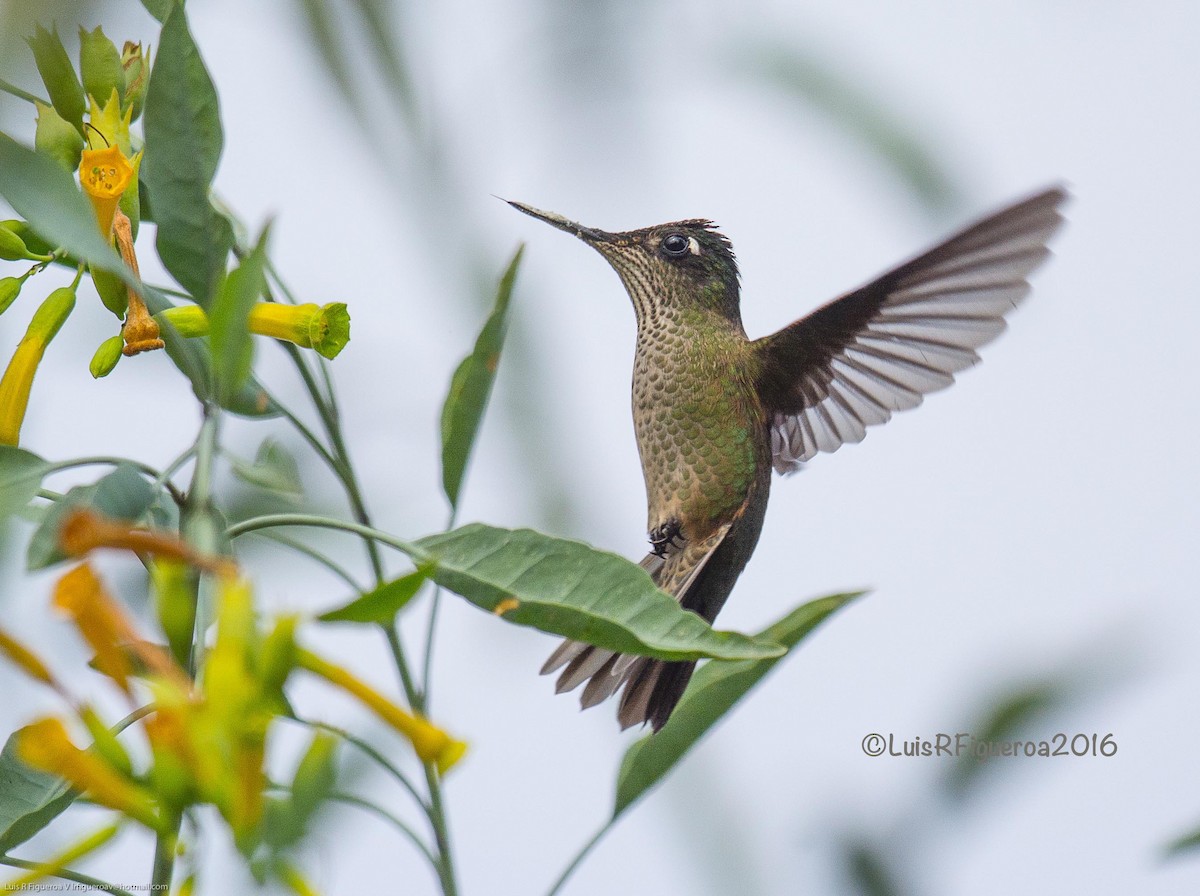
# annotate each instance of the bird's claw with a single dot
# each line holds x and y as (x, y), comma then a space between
(664, 538)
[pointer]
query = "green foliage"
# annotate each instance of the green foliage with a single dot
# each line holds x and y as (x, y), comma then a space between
(29, 799)
(570, 589)
(232, 346)
(274, 469)
(54, 65)
(714, 690)
(470, 388)
(43, 193)
(123, 494)
(380, 605)
(100, 66)
(183, 146)
(21, 474)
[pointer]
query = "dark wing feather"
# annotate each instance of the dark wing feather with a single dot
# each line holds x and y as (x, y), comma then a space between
(852, 363)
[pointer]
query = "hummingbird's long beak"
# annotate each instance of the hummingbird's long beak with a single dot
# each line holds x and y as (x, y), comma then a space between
(589, 235)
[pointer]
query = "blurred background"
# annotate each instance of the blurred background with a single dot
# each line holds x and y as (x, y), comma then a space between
(1029, 535)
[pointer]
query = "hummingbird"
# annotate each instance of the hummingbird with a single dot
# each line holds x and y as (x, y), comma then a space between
(715, 412)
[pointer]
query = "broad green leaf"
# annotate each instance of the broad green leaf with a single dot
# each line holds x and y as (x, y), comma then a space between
(21, 474)
(29, 799)
(40, 190)
(183, 146)
(383, 603)
(123, 494)
(714, 690)
(273, 469)
(470, 388)
(568, 588)
(232, 346)
(54, 65)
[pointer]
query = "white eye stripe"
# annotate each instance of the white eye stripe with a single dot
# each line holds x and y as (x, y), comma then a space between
(693, 245)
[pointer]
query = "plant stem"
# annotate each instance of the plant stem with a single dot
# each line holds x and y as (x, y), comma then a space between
(441, 831)
(199, 528)
(65, 874)
(580, 856)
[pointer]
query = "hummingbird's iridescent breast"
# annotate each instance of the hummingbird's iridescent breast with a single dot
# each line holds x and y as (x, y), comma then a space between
(700, 429)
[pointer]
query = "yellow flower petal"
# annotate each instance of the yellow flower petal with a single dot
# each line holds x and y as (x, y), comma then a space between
(431, 743)
(45, 745)
(104, 174)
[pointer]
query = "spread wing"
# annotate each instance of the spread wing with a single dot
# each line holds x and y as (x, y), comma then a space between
(881, 348)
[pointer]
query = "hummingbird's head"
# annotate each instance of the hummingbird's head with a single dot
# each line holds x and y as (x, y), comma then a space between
(684, 264)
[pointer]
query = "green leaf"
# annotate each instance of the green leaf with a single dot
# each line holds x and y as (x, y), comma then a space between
(383, 603)
(54, 65)
(123, 494)
(229, 337)
(21, 474)
(714, 690)
(183, 146)
(568, 588)
(470, 388)
(274, 469)
(46, 195)
(1186, 843)
(100, 66)
(29, 799)
(160, 9)
(194, 360)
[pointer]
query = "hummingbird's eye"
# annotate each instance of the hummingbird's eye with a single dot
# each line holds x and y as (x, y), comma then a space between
(676, 244)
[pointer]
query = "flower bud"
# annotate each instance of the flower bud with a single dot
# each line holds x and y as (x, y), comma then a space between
(137, 75)
(100, 65)
(106, 357)
(10, 288)
(56, 137)
(18, 376)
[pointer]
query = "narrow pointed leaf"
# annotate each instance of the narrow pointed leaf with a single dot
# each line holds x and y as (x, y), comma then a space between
(183, 146)
(229, 337)
(45, 194)
(29, 799)
(470, 388)
(568, 588)
(58, 74)
(194, 360)
(21, 474)
(715, 689)
(383, 603)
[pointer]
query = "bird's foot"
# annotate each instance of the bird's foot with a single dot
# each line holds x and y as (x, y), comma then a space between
(663, 538)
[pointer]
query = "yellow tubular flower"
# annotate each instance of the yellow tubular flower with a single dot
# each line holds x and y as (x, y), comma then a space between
(323, 328)
(83, 531)
(104, 174)
(45, 745)
(81, 596)
(18, 376)
(431, 743)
